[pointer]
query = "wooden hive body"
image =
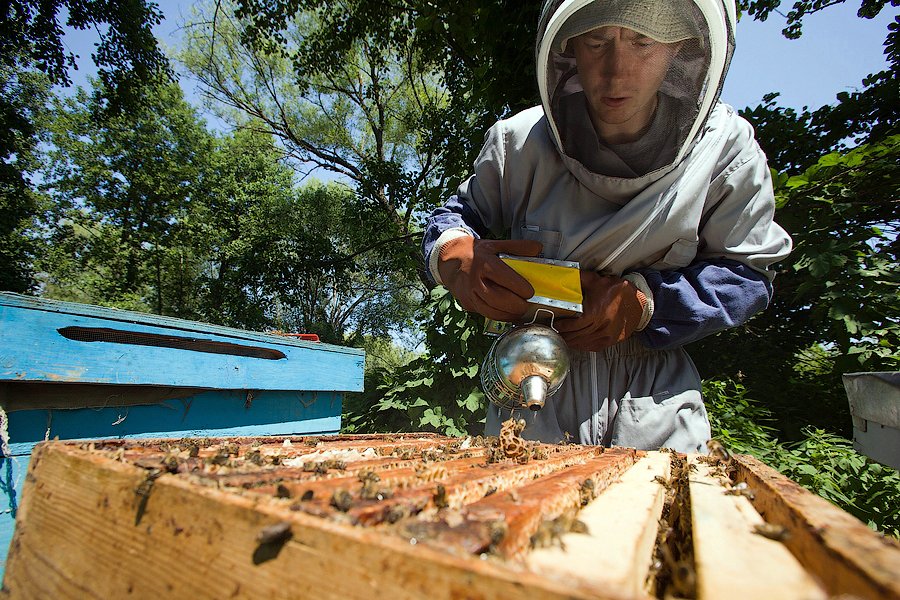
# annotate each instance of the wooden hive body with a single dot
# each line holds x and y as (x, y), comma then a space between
(76, 371)
(424, 516)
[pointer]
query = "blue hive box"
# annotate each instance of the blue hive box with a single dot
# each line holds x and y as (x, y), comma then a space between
(75, 371)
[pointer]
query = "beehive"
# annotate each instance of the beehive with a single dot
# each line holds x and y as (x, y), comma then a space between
(424, 516)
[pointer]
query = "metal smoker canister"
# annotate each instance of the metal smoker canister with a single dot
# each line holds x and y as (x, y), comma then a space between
(524, 367)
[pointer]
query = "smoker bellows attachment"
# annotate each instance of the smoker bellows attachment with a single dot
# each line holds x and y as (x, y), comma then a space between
(524, 367)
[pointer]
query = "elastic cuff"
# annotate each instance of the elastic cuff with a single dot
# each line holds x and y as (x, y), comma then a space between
(446, 236)
(641, 284)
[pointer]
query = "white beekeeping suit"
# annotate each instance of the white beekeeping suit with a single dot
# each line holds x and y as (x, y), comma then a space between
(632, 167)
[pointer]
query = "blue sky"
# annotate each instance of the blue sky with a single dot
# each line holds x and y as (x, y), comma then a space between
(837, 50)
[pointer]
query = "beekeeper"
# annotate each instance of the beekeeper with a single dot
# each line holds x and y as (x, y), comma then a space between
(633, 168)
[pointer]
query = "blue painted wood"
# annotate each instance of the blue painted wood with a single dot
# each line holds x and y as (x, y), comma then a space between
(207, 414)
(32, 349)
(218, 410)
(298, 394)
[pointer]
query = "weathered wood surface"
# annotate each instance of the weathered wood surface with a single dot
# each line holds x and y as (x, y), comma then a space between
(733, 559)
(34, 347)
(86, 533)
(617, 551)
(405, 516)
(838, 549)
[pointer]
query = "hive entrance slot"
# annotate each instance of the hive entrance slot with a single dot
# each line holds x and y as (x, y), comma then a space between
(674, 571)
(139, 338)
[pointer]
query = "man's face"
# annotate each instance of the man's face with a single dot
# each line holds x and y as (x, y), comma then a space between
(621, 71)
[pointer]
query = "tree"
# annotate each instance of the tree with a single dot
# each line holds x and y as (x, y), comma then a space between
(834, 309)
(247, 200)
(127, 56)
(23, 96)
(353, 111)
(279, 255)
(483, 75)
(32, 58)
(122, 186)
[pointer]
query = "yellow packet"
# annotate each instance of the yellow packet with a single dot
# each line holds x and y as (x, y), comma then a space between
(557, 283)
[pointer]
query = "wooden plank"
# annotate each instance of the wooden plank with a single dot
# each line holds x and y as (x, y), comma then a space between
(208, 413)
(622, 523)
(32, 349)
(28, 395)
(117, 315)
(520, 512)
(731, 560)
(838, 549)
(97, 538)
(226, 518)
(464, 488)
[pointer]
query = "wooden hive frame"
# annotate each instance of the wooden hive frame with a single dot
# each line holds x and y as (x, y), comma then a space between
(424, 516)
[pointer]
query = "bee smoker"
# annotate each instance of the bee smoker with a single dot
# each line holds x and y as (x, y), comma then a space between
(525, 366)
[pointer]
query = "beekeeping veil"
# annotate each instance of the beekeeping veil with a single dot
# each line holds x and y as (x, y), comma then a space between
(704, 33)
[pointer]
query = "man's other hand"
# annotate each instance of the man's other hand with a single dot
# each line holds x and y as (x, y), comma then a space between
(612, 309)
(483, 283)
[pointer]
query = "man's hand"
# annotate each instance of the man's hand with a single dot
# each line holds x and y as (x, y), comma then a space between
(483, 283)
(612, 309)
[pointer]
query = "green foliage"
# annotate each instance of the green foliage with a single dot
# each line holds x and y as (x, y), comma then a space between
(471, 74)
(127, 54)
(838, 292)
(122, 186)
(24, 94)
(849, 262)
(738, 421)
(33, 57)
(828, 465)
(436, 391)
(761, 9)
(822, 462)
(349, 104)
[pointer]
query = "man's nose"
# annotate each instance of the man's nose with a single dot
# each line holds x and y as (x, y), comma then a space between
(620, 61)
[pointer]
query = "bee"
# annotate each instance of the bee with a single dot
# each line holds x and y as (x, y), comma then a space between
(440, 497)
(587, 492)
(497, 530)
(395, 513)
(342, 500)
(741, 489)
(771, 531)
(718, 450)
(494, 453)
(550, 531)
(663, 482)
(684, 578)
(220, 458)
(370, 489)
(143, 490)
(275, 534)
(540, 453)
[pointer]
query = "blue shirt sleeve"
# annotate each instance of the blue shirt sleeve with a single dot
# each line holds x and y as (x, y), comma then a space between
(701, 299)
(453, 214)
